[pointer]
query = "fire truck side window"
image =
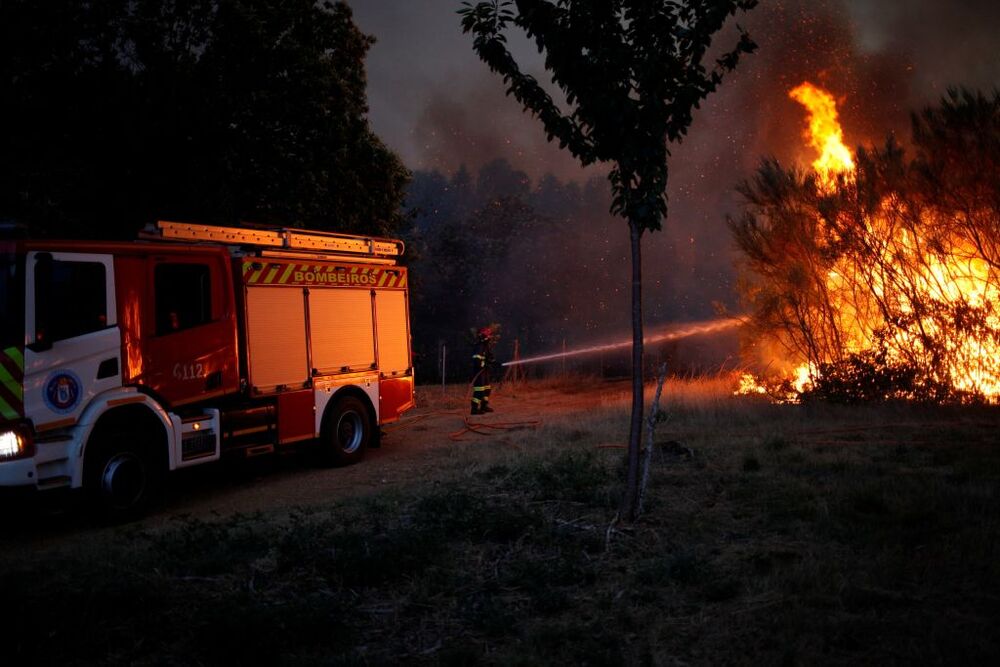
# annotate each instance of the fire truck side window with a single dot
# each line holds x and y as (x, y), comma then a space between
(77, 299)
(183, 296)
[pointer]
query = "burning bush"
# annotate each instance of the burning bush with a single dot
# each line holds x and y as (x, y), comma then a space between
(879, 276)
(871, 376)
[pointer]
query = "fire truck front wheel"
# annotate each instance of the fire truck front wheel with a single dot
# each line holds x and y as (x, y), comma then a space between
(347, 431)
(121, 478)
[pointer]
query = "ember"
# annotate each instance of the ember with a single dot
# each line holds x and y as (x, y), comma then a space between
(877, 277)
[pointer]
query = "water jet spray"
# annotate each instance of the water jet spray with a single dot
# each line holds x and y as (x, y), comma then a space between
(675, 333)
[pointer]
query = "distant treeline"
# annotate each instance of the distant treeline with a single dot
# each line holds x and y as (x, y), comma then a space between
(543, 259)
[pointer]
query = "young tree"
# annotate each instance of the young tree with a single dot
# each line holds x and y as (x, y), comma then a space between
(632, 72)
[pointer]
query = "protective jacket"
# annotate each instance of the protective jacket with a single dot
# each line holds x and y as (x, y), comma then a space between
(482, 359)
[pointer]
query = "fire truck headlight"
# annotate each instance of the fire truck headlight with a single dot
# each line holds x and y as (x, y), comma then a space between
(14, 445)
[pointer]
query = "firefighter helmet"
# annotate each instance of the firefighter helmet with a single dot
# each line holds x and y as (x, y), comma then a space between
(489, 332)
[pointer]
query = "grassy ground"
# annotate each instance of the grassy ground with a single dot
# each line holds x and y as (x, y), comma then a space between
(775, 534)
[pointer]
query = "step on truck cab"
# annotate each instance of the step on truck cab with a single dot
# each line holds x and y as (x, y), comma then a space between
(120, 362)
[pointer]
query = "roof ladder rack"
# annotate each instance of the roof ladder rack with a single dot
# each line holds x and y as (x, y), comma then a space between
(284, 238)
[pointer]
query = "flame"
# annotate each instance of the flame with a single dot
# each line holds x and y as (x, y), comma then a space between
(784, 390)
(912, 271)
(824, 134)
(748, 384)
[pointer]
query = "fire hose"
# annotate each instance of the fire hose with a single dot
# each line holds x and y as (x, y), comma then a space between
(480, 428)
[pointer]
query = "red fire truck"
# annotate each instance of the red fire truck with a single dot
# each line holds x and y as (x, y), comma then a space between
(122, 361)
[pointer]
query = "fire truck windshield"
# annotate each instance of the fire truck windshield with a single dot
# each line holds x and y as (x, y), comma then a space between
(11, 299)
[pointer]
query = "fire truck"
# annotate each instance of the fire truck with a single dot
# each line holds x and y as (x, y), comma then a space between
(123, 361)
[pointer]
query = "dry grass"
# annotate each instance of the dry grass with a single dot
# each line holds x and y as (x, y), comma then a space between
(793, 534)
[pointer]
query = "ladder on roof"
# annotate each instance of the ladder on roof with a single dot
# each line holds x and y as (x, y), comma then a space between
(285, 239)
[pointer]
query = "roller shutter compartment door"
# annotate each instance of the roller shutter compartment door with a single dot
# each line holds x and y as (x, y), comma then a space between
(341, 330)
(393, 332)
(276, 334)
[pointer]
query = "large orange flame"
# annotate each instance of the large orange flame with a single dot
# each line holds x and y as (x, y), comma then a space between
(824, 133)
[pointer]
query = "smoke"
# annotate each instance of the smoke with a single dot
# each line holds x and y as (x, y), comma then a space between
(943, 43)
(437, 105)
(476, 124)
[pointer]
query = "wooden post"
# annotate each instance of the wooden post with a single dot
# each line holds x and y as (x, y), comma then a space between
(515, 373)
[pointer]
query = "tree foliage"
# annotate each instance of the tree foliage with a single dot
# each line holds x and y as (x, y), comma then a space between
(888, 285)
(632, 72)
(117, 113)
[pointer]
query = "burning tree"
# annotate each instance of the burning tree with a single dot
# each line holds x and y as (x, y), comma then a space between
(878, 274)
(632, 72)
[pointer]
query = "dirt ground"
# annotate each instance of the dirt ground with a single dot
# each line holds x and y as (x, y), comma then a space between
(415, 448)
(412, 448)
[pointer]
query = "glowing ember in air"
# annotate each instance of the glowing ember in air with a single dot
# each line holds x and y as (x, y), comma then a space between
(674, 334)
(824, 133)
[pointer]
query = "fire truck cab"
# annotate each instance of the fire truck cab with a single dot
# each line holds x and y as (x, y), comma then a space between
(120, 362)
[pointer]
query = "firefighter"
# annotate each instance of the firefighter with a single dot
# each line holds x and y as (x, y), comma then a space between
(482, 359)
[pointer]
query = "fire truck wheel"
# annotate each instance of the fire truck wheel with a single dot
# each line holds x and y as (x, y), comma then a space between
(121, 479)
(347, 431)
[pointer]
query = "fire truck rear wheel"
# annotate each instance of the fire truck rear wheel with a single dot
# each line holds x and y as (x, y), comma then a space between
(347, 431)
(122, 479)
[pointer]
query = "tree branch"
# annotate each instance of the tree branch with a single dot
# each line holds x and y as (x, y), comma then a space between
(651, 421)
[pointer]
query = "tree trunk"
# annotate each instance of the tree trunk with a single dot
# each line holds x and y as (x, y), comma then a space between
(630, 499)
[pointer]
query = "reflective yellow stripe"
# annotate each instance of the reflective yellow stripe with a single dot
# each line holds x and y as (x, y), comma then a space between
(480, 388)
(476, 401)
(59, 423)
(6, 411)
(15, 356)
(478, 356)
(125, 401)
(12, 385)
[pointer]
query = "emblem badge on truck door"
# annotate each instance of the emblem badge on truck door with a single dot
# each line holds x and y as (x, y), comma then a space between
(62, 391)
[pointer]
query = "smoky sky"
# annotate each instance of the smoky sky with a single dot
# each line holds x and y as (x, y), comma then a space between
(439, 107)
